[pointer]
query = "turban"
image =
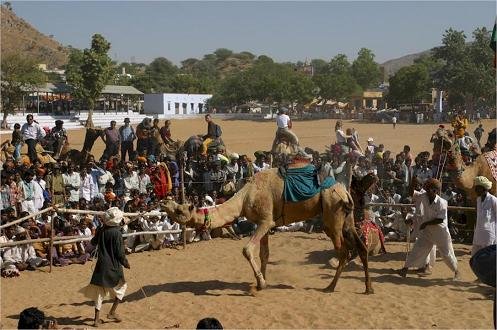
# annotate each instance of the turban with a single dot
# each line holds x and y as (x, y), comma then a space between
(113, 217)
(433, 183)
(483, 182)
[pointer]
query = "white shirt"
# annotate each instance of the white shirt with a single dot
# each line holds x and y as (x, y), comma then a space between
(282, 121)
(431, 211)
(341, 136)
(394, 120)
(88, 188)
(486, 213)
(33, 131)
(72, 180)
(144, 180)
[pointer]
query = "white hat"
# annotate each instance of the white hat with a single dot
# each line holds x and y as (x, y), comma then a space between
(483, 182)
(370, 139)
(209, 199)
(113, 217)
(234, 156)
(20, 230)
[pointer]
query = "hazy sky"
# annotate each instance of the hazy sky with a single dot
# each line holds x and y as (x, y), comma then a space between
(286, 31)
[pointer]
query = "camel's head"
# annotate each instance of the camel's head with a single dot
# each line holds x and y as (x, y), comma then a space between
(179, 213)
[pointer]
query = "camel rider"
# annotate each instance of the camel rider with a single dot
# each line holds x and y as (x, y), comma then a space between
(460, 123)
(59, 135)
(284, 124)
(214, 132)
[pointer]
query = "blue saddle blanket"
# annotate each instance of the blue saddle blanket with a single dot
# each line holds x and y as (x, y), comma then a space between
(302, 183)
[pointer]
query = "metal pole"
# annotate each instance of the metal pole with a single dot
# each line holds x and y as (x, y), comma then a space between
(183, 197)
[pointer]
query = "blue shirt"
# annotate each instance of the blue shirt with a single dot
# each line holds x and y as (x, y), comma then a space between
(127, 133)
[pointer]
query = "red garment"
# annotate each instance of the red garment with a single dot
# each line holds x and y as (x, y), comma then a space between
(159, 180)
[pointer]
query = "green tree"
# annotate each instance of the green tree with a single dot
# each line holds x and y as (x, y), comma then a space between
(301, 90)
(337, 83)
(409, 85)
(467, 74)
(90, 72)
(19, 74)
(365, 70)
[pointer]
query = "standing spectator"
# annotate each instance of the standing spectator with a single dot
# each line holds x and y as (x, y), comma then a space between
(127, 135)
(143, 130)
(143, 180)
(112, 140)
(28, 190)
(486, 214)
(394, 121)
(55, 184)
(72, 182)
(88, 185)
(17, 141)
(155, 138)
(283, 131)
(478, 133)
(32, 133)
(108, 276)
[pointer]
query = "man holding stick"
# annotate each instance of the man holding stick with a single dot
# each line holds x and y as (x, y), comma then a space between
(108, 276)
(433, 230)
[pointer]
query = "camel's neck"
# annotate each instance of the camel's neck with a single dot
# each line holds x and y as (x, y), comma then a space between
(465, 174)
(226, 212)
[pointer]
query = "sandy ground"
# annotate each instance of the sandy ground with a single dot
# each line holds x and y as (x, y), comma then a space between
(212, 278)
(246, 137)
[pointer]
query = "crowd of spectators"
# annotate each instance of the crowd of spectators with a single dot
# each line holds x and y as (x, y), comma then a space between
(137, 181)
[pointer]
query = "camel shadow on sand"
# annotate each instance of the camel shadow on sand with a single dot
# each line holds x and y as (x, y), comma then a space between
(200, 288)
(72, 321)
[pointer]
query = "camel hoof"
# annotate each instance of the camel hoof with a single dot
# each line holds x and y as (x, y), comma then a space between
(370, 291)
(261, 286)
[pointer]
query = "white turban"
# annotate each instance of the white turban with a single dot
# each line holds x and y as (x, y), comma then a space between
(234, 156)
(113, 217)
(483, 182)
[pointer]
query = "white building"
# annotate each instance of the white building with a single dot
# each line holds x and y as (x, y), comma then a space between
(175, 104)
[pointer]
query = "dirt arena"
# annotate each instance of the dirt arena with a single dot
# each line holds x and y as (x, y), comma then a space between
(212, 279)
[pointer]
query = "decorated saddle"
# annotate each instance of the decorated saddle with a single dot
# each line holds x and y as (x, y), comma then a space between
(302, 183)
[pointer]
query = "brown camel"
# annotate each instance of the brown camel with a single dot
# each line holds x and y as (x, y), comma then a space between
(464, 175)
(261, 202)
(81, 157)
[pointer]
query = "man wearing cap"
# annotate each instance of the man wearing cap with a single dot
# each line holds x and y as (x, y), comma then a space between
(486, 214)
(433, 230)
(283, 131)
(127, 135)
(108, 276)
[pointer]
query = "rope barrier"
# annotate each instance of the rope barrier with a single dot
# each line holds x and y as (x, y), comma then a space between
(450, 207)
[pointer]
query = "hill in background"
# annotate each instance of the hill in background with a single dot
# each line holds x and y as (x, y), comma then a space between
(18, 36)
(392, 66)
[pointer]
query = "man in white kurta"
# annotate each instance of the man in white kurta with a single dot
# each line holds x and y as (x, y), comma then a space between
(72, 182)
(486, 214)
(432, 231)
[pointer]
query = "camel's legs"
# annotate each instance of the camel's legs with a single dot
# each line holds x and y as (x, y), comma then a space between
(363, 254)
(264, 254)
(248, 252)
(342, 257)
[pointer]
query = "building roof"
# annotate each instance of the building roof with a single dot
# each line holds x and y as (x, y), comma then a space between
(126, 90)
(65, 88)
